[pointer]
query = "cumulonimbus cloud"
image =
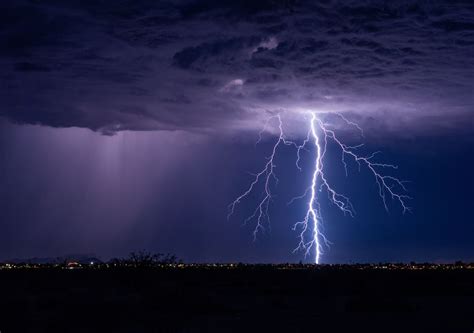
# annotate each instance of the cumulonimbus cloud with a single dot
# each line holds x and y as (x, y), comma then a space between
(208, 65)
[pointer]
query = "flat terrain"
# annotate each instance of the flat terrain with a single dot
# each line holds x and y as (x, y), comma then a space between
(243, 299)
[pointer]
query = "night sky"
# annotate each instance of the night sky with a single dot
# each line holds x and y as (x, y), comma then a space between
(128, 125)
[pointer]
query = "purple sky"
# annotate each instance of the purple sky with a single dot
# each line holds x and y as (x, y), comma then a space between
(131, 124)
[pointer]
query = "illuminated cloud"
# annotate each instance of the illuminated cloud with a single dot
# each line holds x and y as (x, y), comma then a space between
(268, 44)
(233, 86)
(209, 65)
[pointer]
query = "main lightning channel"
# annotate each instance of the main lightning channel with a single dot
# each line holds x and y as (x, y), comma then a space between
(312, 200)
(319, 133)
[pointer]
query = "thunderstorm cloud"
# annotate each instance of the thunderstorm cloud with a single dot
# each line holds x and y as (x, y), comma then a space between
(218, 65)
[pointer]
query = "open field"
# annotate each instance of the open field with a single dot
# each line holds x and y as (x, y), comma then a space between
(236, 299)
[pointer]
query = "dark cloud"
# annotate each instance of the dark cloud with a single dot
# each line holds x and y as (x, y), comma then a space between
(144, 65)
(226, 51)
(30, 67)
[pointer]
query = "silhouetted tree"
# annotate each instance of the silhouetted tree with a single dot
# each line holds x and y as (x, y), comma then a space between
(146, 259)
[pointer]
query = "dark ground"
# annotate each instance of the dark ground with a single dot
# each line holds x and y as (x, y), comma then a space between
(245, 299)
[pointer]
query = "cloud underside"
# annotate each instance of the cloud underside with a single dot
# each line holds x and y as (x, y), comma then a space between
(212, 65)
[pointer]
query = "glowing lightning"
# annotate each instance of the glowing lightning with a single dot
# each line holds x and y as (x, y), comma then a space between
(312, 201)
(319, 133)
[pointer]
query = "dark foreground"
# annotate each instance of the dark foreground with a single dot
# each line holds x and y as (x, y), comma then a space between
(247, 299)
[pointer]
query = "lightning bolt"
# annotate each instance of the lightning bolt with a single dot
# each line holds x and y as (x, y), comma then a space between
(319, 133)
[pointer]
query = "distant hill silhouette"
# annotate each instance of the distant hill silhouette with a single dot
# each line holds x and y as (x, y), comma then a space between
(80, 258)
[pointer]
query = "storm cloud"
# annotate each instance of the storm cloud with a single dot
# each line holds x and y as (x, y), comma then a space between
(219, 65)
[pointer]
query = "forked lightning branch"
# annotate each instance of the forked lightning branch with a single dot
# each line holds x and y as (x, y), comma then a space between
(319, 134)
